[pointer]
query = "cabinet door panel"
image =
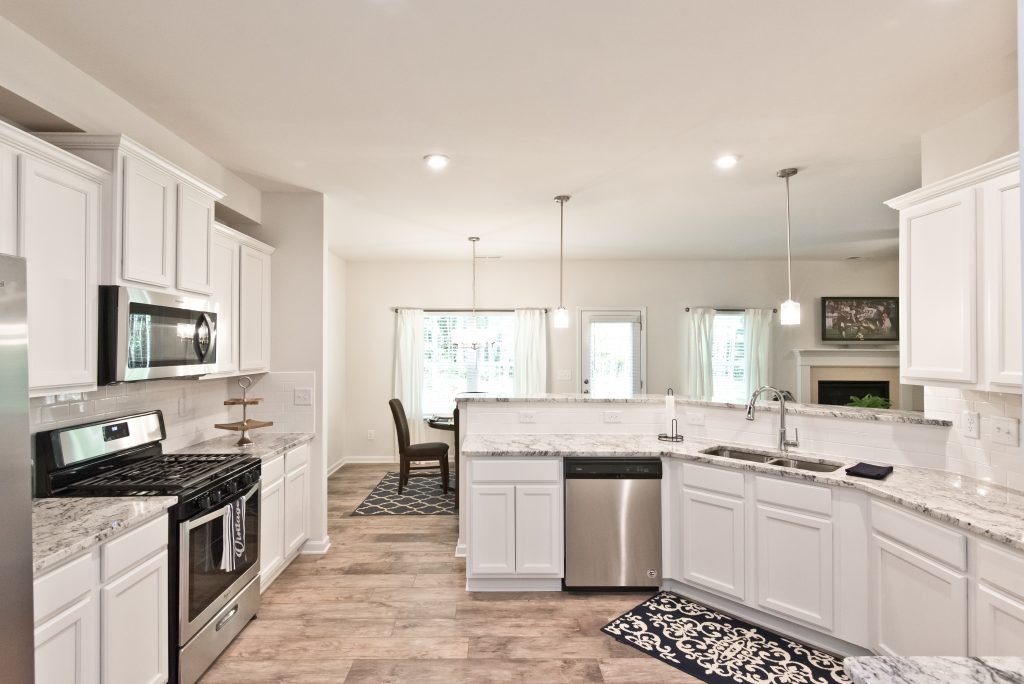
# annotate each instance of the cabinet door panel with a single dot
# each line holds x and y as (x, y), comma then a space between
(271, 530)
(67, 646)
(492, 530)
(1001, 277)
(254, 310)
(938, 289)
(794, 565)
(9, 240)
(919, 606)
(61, 208)
(713, 542)
(195, 237)
(224, 257)
(147, 250)
(999, 623)
(539, 530)
(134, 625)
(296, 516)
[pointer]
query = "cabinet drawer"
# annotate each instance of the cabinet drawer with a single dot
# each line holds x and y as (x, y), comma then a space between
(127, 550)
(1001, 569)
(713, 479)
(58, 588)
(271, 471)
(296, 458)
(929, 538)
(495, 470)
(795, 495)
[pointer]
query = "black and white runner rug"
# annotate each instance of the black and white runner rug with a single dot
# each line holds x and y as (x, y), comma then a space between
(720, 649)
(422, 496)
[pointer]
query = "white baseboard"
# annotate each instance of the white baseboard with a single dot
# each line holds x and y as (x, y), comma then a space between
(331, 469)
(316, 547)
(367, 459)
(460, 549)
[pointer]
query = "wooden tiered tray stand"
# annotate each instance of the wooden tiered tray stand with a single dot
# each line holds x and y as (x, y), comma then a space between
(246, 424)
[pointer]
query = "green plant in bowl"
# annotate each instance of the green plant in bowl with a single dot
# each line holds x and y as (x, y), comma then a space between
(870, 401)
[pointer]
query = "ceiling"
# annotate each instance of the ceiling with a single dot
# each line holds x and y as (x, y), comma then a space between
(623, 105)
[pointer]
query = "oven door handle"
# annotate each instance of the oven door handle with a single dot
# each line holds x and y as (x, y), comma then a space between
(192, 524)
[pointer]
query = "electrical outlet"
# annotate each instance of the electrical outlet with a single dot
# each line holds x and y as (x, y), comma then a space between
(694, 418)
(303, 396)
(613, 416)
(527, 416)
(970, 424)
(1006, 431)
(564, 374)
(371, 435)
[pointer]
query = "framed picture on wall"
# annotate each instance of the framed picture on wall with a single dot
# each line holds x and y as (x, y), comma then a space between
(860, 319)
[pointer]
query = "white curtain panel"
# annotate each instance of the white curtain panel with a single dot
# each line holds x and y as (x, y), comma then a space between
(697, 375)
(409, 368)
(531, 352)
(758, 326)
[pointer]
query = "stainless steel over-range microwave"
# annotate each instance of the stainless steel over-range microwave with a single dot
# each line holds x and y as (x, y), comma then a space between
(145, 335)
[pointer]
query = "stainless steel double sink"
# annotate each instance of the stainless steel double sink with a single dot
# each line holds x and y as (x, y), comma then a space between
(771, 459)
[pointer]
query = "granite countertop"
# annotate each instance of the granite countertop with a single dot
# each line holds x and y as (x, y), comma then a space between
(65, 527)
(934, 670)
(986, 509)
(266, 445)
(564, 398)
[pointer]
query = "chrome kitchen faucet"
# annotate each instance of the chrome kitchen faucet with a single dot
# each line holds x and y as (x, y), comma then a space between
(784, 441)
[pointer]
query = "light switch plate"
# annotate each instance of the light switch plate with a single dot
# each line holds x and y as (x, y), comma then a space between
(564, 374)
(613, 416)
(527, 416)
(970, 424)
(694, 418)
(1006, 431)
(303, 396)
(371, 435)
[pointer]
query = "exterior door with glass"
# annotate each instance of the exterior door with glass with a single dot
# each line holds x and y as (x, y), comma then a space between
(612, 352)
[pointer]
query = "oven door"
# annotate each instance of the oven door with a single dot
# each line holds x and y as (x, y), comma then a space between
(205, 582)
(162, 336)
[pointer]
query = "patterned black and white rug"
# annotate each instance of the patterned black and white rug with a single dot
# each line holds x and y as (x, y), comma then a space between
(422, 496)
(720, 649)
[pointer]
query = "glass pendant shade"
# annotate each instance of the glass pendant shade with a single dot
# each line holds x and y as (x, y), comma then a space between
(789, 313)
(560, 317)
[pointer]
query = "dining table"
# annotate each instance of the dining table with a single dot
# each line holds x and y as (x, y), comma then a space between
(447, 423)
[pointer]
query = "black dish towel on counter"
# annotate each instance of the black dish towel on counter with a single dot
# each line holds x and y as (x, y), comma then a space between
(872, 472)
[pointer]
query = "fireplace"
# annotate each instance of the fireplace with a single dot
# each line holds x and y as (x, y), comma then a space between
(838, 392)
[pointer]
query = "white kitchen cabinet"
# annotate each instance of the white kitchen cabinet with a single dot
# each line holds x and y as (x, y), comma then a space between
(713, 545)
(492, 530)
(224, 282)
(296, 499)
(148, 241)
(134, 625)
(794, 565)
(67, 646)
(59, 216)
(9, 243)
(999, 624)
(538, 530)
(960, 245)
(272, 527)
(254, 310)
(195, 240)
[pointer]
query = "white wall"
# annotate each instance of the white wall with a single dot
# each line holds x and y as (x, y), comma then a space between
(984, 134)
(664, 287)
(40, 75)
(335, 360)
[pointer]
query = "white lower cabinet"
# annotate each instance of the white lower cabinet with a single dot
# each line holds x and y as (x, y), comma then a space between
(284, 511)
(714, 542)
(999, 623)
(102, 617)
(492, 530)
(539, 530)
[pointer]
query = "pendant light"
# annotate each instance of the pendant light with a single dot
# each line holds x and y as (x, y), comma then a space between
(470, 335)
(789, 312)
(560, 318)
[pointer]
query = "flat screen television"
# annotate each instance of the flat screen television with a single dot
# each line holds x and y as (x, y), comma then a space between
(851, 320)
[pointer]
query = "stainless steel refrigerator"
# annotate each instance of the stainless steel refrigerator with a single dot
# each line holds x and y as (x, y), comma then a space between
(16, 625)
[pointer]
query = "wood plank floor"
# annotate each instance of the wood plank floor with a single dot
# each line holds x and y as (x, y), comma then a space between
(388, 603)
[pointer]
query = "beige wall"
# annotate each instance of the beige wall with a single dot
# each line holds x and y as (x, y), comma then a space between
(334, 360)
(664, 287)
(984, 134)
(38, 74)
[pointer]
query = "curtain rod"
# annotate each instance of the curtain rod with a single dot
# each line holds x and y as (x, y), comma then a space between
(726, 309)
(399, 308)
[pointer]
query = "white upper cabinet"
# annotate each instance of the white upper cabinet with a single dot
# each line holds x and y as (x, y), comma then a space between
(224, 281)
(147, 247)
(960, 245)
(158, 219)
(195, 240)
(8, 200)
(254, 310)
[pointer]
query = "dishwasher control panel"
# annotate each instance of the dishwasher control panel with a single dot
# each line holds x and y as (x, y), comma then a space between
(613, 468)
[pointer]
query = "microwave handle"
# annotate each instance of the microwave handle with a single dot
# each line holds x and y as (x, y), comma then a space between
(203, 318)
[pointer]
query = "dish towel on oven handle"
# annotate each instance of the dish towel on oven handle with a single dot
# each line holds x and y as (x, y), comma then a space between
(234, 535)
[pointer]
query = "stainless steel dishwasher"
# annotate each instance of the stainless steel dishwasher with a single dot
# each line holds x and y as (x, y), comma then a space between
(612, 523)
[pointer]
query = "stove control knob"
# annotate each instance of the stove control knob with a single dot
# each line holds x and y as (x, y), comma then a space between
(203, 501)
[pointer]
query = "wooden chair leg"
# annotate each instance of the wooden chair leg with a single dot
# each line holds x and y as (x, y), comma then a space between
(403, 471)
(444, 473)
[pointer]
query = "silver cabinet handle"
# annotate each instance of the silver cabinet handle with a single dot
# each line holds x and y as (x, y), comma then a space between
(223, 621)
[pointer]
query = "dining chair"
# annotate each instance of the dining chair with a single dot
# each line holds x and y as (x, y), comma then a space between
(408, 454)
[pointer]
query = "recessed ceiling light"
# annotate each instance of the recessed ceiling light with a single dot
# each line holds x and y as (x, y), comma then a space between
(727, 161)
(436, 161)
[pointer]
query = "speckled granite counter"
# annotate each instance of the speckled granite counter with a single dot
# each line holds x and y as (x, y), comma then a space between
(934, 670)
(63, 528)
(988, 510)
(266, 445)
(563, 398)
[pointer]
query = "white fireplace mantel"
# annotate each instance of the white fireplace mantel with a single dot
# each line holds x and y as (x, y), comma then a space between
(806, 359)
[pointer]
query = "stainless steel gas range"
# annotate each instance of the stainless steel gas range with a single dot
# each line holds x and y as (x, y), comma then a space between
(215, 528)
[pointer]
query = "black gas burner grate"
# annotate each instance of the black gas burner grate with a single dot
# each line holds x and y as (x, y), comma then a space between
(161, 473)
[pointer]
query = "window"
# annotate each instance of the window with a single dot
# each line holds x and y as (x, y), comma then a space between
(449, 369)
(612, 352)
(729, 357)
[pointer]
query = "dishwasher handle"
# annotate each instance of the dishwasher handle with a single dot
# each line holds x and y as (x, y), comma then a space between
(612, 469)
